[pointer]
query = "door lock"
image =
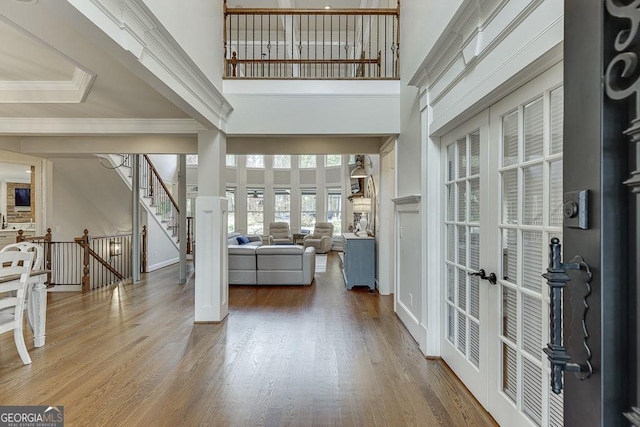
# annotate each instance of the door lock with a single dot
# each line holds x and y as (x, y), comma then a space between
(575, 209)
(492, 278)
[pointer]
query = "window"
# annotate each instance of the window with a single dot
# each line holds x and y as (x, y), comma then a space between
(333, 160)
(231, 160)
(255, 211)
(283, 206)
(307, 209)
(307, 161)
(282, 161)
(192, 160)
(334, 209)
(255, 161)
(352, 159)
(231, 196)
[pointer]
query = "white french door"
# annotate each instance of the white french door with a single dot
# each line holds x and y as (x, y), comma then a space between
(465, 297)
(499, 216)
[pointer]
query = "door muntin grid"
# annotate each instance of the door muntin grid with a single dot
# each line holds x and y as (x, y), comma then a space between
(531, 213)
(462, 223)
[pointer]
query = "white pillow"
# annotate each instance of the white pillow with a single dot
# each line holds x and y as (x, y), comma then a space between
(232, 241)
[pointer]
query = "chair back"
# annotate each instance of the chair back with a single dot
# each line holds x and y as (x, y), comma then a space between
(279, 230)
(28, 247)
(14, 263)
(323, 229)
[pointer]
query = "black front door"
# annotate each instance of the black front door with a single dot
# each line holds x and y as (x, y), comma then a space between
(598, 109)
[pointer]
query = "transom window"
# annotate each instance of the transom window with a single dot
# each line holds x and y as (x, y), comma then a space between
(255, 161)
(307, 161)
(282, 161)
(333, 160)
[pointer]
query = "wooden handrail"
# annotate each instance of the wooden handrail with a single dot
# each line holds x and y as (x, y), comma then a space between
(88, 252)
(292, 11)
(160, 180)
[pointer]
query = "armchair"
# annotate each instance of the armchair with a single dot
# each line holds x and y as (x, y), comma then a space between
(321, 239)
(279, 234)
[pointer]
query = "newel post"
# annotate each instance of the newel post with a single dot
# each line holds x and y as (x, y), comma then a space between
(47, 254)
(143, 253)
(86, 281)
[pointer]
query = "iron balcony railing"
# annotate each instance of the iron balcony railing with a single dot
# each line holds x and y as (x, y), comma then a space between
(312, 43)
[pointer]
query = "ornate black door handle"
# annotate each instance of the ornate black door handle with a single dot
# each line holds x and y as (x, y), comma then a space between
(556, 352)
(492, 278)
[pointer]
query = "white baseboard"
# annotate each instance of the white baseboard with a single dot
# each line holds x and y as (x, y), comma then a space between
(411, 323)
(159, 265)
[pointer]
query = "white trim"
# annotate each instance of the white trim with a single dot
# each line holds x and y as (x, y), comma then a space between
(136, 30)
(76, 126)
(71, 91)
(162, 264)
(407, 200)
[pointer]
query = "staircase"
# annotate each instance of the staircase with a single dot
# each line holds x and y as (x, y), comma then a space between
(154, 195)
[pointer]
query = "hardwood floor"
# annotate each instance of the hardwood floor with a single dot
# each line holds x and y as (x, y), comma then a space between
(286, 356)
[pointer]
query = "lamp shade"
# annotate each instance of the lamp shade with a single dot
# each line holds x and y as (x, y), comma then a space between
(359, 172)
(362, 205)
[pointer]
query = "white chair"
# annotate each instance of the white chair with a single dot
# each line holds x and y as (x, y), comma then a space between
(38, 259)
(279, 234)
(321, 238)
(38, 252)
(14, 263)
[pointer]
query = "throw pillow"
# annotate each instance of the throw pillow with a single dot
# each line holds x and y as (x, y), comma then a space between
(243, 240)
(232, 241)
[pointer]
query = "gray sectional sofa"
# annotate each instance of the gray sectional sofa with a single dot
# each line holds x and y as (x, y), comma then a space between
(271, 265)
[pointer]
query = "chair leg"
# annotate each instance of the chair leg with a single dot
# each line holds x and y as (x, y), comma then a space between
(18, 337)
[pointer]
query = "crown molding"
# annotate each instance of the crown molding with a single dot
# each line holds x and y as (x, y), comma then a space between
(135, 29)
(73, 91)
(475, 30)
(76, 126)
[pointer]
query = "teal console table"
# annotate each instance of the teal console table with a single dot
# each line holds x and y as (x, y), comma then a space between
(359, 261)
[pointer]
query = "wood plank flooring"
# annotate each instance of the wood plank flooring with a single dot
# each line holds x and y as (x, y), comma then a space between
(130, 355)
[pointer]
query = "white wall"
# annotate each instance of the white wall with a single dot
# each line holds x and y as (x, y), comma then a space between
(422, 23)
(288, 107)
(160, 249)
(197, 27)
(166, 165)
(458, 58)
(87, 195)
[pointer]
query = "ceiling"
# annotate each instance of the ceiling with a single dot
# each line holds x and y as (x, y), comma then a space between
(36, 78)
(74, 74)
(9, 171)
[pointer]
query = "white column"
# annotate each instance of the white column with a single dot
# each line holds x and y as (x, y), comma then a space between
(135, 219)
(182, 217)
(211, 280)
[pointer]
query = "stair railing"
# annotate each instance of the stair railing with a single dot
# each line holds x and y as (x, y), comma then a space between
(329, 43)
(161, 198)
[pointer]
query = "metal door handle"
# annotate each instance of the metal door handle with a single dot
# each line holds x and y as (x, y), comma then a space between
(492, 278)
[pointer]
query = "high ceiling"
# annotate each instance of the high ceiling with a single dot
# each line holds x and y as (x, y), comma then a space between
(39, 79)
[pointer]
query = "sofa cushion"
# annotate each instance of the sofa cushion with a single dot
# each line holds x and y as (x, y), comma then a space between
(242, 257)
(279, 257)
(243, 240)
